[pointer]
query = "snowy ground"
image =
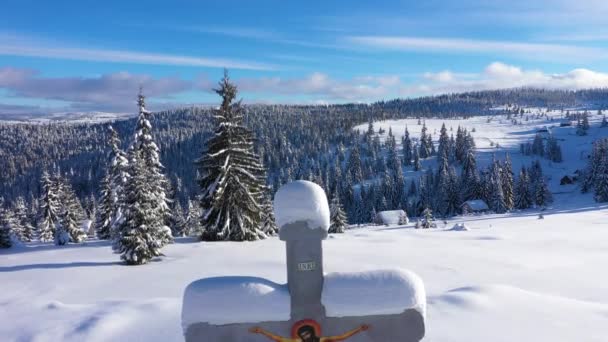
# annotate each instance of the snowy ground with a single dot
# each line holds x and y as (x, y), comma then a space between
(510, 278)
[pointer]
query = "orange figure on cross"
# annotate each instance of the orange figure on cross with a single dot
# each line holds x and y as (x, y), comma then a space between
(308, 331)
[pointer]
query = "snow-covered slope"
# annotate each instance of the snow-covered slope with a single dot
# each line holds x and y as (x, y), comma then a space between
(510, 278)
(496, 135)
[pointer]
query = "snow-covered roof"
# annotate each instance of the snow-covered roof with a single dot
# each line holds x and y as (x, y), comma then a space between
(380, 292)
(477, 204)
(390, 216)
(226, 300)
(301, 201)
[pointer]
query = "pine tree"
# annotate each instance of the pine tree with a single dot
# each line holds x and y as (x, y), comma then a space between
(354, 165)
(497, 202)
(269, 225)
(506, 177)
(444, 143)
(233, 179)
(105, 211)
(68, 228)
(470, 182)
(417, 164)
(424, 148)
(49, 209)
(118, 176)
(523, 198)
(407, 148)
(543, 196)
(139, 241)
(142, 231)
(25, 231)
(338, 218)
(5, 226)
(193, 219)
(427, 219)
(178, 227)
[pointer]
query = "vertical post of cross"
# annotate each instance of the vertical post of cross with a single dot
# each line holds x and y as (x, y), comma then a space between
(304, 269)
(303, 230)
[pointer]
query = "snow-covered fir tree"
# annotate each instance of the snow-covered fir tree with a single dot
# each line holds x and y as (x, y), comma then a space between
(497, 197)
(417, 163)
(427, 220)
(105, 210)
(232, 180)
(110, 218)
(595, 176)
(50, 207)
(470, 181)
(338, 221)
(22, 228)
(523, 197)
(71, 213)
(178, 226)
(193, 219)
(407, 148)
(5, 226)
(143, 231)
(444, 142)
(506, 177)
(543, 196)
(424, 147)
(354, 165)
(269, 225)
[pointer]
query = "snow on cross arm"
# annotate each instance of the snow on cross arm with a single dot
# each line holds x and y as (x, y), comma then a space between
(379, 292)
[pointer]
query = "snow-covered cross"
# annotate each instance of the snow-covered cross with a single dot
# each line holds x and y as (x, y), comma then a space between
(381, 305)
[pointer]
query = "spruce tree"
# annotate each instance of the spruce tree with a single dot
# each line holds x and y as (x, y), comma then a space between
(506, 176)
(444, 142)
(110, 213)
(427, 219)
(424, 148)
(470, 181)
(143, 231)
(5, 226)
(49, 209)
(497, 198)
(178, 226)
(543, 196)
(25, 231)
(523, 198)
(407, 148)
(269, 226)
(417, 164)
(354, 165)
(338, 218)
(105, 210)
(72, 213)
(193, 219)
(139, 240)
(233, 179)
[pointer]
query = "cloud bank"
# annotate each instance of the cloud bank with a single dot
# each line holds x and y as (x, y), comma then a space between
(115, 92)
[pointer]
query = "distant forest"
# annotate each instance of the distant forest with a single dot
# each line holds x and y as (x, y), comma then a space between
(294, 141)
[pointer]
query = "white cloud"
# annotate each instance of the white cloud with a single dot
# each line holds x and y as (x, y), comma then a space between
(538, 51)
(320, 84)
(321, 87)
(499, 76)
(11, 45)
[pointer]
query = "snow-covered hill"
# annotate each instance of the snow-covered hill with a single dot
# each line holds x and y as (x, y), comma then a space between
(497, 135)
(509, 278)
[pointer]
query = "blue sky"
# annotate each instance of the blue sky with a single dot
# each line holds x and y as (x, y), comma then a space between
(62, 56)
